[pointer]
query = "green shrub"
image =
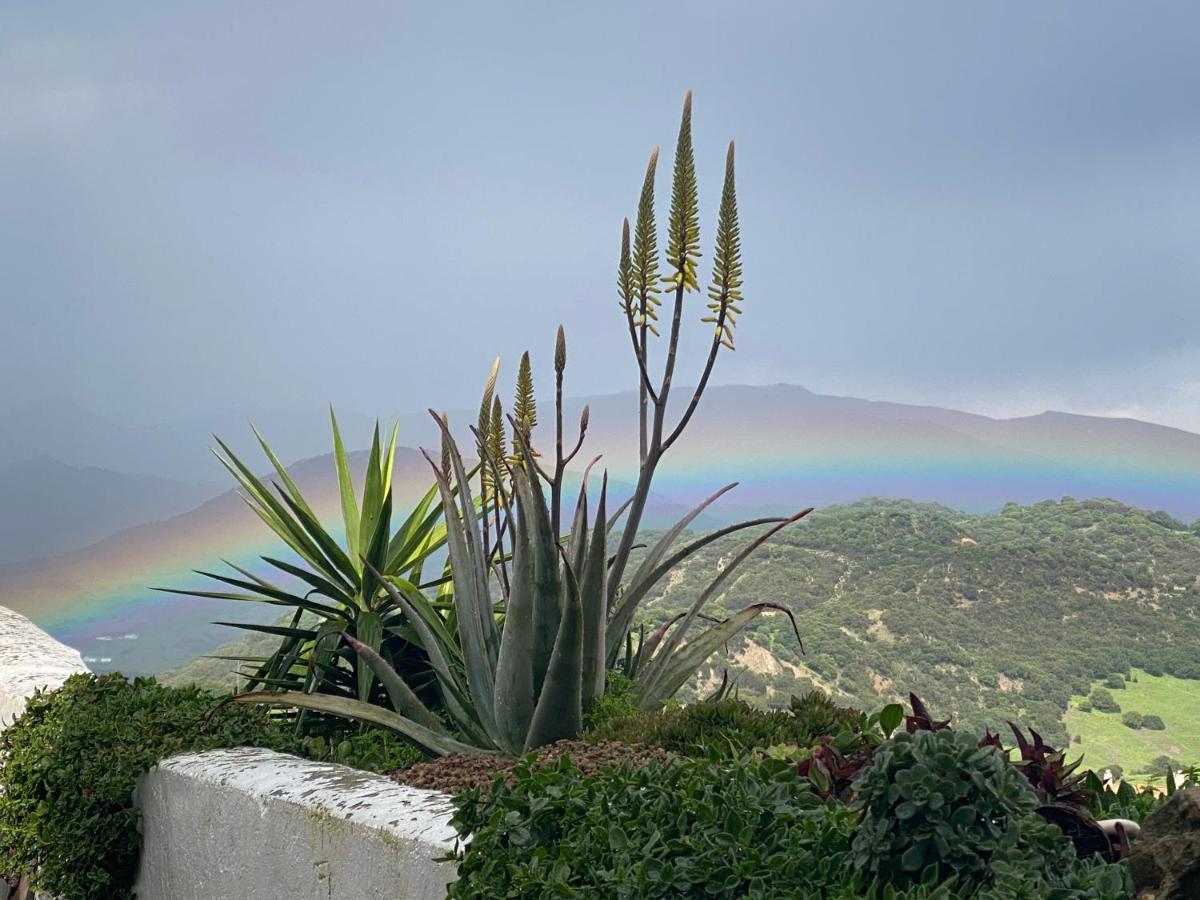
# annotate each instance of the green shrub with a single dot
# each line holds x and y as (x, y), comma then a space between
(1115, 681)
(618, 702)
(679, 829)
(715, 828)
(936, 808)
(816, 714)
(70, 762)
(1132, 719)
(375, 750)
(1085, 705)
(728, 727)
(1154, 723)
(1102, 701)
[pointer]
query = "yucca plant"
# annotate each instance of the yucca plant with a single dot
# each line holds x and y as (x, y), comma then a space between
(333, 588)
(538, 618)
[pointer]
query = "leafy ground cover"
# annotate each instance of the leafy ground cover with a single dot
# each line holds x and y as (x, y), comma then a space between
(70, 761)
(1105, 740)
(872, 811)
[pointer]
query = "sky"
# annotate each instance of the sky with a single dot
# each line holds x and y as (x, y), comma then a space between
(206, 205)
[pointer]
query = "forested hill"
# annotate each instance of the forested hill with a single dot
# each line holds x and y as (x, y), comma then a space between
(987, 617)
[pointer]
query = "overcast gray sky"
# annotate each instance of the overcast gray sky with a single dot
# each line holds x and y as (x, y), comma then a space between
(992, 206)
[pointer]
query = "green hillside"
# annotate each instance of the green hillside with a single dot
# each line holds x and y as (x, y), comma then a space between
(986, 617)
(1104, 736)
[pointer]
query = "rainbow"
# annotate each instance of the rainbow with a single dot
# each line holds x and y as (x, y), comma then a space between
(785, 454)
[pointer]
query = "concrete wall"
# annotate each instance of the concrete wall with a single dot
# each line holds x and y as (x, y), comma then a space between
(252, 824)
(29, 659)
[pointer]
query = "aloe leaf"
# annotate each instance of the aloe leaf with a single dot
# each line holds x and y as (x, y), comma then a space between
(648, 645)
(415, 527)
(270, 510)
(350, 516)
(514, 670)
(625, 611)
(616, 516)
(280, 469)
(373, 494)
(578, 539)
(547, 585)
(474, 540)
(470, 596)
(326, 587)
(593, 593)
(389, 457)
(291, 601)
(654, 666)
(683, 664)
(322, 660)
(404, 699)
(437, 643)
(313, 557)
(634, 595)
(722, 689)
(369, 630)
(423, 737)
(281, 630)
(276, 595)
(559, 711)
(328, 546)
(376, 551)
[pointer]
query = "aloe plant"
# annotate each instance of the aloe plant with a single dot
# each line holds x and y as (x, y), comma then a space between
(538, 618)
(333, 588)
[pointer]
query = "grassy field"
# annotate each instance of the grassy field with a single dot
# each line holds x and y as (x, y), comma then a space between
(1106, 742)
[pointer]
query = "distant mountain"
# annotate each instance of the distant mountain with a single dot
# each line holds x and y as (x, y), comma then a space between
(48, 507)
(788, 446)
(175, 449)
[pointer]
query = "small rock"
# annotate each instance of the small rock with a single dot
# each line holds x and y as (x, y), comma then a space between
(1165, 861)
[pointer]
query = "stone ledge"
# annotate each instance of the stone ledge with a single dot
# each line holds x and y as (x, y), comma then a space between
(253, 824)
(29, 660)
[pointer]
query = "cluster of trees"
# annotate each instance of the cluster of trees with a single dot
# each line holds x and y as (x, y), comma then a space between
(1136, 720)
(986, 617)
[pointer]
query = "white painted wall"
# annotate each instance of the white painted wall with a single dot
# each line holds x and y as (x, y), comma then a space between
(29, 659)
(251, 824)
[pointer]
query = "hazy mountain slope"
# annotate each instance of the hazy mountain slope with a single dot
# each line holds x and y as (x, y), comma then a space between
(789, 447)
(176, 448)
(48, 507)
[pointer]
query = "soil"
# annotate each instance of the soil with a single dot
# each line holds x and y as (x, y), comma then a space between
(459, 771)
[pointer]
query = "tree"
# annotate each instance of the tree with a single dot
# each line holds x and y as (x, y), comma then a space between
(1132, 720)
(1102, 701)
